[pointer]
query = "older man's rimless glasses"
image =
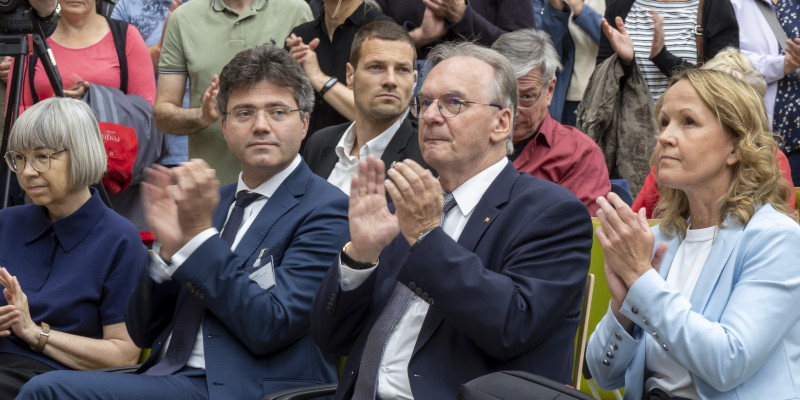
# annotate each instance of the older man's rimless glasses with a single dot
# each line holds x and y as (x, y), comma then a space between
(449, 105)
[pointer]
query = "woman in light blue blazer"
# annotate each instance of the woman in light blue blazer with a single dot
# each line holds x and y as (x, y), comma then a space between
(707, 304)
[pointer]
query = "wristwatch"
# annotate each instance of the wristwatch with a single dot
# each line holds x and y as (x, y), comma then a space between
(43, 336)
(52, 18)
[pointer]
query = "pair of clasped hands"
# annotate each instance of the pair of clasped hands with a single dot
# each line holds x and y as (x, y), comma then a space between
(627, 243)
(417, 197)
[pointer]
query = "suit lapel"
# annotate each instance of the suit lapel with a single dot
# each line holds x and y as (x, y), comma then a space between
(721, 251)
(283, 200)
(227, 195)
(328, 159)
(484, 214)
(491, 204)
(395, 150)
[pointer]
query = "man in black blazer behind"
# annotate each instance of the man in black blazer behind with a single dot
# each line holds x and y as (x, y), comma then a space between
(381, 74)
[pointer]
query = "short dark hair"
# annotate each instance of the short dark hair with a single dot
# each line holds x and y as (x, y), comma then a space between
(384, 30)
(265, 63)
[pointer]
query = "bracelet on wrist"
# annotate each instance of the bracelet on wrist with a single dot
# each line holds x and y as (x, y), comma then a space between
(350, 262)
(327, 86)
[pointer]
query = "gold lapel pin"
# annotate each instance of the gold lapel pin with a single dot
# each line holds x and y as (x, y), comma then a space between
(486, 220)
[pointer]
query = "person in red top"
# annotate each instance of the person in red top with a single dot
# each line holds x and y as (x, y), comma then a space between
(544, 147)
(83, 48)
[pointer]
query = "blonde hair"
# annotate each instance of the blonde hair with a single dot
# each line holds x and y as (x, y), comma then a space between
(756, 179)
(730, 60)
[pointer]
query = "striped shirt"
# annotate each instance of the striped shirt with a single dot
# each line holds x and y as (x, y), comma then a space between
(680, 18)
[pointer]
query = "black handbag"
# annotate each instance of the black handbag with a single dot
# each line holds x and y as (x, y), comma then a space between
(517, 385)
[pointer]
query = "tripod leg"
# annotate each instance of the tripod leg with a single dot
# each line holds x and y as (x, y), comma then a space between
(49, 64)
(12, 109)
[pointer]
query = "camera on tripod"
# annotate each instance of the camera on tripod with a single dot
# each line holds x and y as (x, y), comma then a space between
(21, 30)
(15, 16)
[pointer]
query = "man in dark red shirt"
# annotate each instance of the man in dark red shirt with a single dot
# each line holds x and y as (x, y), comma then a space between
(544, 147)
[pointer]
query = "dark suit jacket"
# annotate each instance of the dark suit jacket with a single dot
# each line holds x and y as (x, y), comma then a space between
(320, 151)
(255, 340)
(506, 296)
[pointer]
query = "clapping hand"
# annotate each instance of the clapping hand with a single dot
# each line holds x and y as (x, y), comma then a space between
(417, 196)
(620, 41)
(16, 315)
(372, 226)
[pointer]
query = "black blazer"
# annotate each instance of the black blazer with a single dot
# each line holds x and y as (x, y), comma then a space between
(320, 151)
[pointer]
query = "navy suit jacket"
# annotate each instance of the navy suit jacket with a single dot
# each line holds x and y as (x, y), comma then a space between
(255, 340)
(320, 151)
(506, 296)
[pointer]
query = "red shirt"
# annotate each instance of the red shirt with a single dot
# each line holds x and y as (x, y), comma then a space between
(564, 155)
(98, 64)
(648, 196)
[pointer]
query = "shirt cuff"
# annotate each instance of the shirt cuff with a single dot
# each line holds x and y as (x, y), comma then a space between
(160, 272)
(350, 279)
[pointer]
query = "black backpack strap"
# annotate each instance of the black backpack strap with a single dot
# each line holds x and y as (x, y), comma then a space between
(119, 31)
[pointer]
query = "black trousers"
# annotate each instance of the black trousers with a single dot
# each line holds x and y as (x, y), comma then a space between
(15, 371)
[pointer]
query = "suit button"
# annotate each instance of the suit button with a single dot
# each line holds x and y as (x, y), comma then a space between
(605, 362)
(645, 321)
(618, 336)
(424, 296)
(418, 291)
(634, 310)
(430, 301)
(412, 285)
(664, 346)
(613, 346)
(655, 334)
(609, 355)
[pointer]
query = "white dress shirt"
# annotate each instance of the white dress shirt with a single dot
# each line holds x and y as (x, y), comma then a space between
(159, 271)
(665, 373)
(347, 166)
(393, 382)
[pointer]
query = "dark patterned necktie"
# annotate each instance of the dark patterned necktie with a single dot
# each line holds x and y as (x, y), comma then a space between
(367, 380)
(187, 322)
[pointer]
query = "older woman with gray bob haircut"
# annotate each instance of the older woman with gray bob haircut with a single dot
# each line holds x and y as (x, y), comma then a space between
(68, 262)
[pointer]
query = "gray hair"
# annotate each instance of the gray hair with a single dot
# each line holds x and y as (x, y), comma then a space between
(265, 63)
(63, 123)
(528, 50)
(503, 90)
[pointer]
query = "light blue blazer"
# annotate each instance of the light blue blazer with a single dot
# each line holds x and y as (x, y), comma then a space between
(739, 335)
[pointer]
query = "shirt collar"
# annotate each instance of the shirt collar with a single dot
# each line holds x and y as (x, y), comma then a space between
(375, 147)
(470, 192)
(268, 188)
(219, 5)
(71, 229)
(356, 18)
(546, 129)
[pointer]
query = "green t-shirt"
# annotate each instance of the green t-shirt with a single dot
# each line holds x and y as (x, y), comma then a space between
(202, 36)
